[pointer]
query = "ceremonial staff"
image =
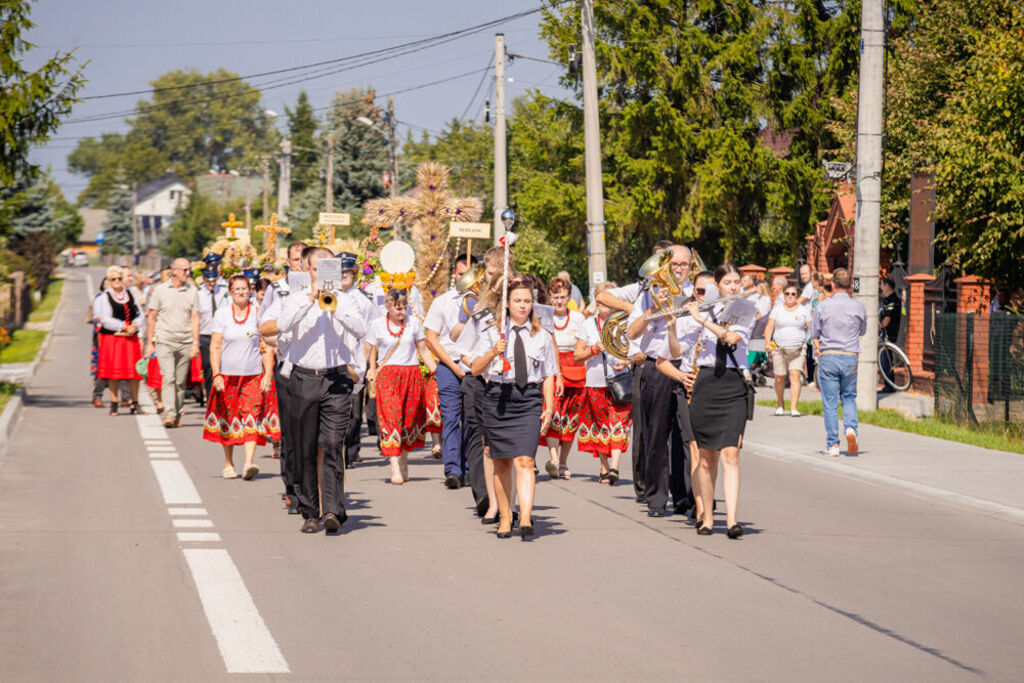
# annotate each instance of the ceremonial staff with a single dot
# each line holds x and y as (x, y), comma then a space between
(508, 218)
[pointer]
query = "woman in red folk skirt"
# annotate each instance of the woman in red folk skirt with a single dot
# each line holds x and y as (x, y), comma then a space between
(391, 349)
(604, 426)
(120, 321)
(432, 422)
(566, 418)
(242, 408)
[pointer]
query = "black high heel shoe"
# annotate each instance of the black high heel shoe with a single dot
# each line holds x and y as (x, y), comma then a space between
(525, 530)
(489, 520)
(703, 530)
(504, 534)
(113, 408)
(735, 531)
(136, 409)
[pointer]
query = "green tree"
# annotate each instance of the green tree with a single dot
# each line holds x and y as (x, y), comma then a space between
(117, 238)
(306, 160)
(196, 225)
(31, 102)
(193, 123)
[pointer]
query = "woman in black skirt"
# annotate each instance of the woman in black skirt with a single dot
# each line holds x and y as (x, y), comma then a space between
(517, 402)
(718, 409)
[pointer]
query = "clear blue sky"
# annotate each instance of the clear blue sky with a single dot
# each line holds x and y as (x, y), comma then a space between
(129, 43)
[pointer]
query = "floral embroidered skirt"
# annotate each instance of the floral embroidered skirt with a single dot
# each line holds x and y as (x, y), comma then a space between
(432, 406)
(401, 409)
(565, 418)
(604, 426)
(242, 412)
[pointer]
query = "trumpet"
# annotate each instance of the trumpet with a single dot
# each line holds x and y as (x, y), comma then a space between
(327, 301)
(680, 311)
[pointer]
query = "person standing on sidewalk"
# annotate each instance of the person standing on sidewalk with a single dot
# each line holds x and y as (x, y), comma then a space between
(173, 332)
(836, 327)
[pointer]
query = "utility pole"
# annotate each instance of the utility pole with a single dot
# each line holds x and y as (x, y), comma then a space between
(329, 201)
(500, 154)
(266, 189)
(284, 182)
(596, 262)
(135, 223)
(248, 199)
(391, 143)
(867, 232)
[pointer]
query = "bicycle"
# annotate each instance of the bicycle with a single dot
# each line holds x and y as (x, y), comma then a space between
(893, 366)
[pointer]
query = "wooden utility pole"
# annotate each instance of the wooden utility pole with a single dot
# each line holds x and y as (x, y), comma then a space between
(329, 181)
(266, 188)
(135, 223)
(284, 182)
(391, 144)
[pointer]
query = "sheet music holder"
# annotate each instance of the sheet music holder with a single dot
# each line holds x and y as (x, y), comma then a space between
(328, 274)
(298, 281)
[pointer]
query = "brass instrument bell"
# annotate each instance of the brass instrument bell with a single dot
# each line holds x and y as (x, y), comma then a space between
(469, 286)
(613, 335)
(658, 270)
(327, 301)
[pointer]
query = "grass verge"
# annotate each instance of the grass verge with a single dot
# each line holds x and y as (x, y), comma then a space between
(23, 347)
(7, 390)
(999, 436)
(44, 311)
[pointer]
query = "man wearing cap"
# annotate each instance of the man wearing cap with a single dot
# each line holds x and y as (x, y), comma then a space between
(369, 312)
(213, 294)
(442, 317)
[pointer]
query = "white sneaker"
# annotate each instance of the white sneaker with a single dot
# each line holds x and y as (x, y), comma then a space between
(780, 411)
(851, 441)
(795, 413)
(833, 451)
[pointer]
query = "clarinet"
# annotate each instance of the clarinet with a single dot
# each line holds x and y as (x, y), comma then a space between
(694, 369)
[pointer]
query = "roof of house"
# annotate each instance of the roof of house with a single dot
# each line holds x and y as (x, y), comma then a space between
(154, 186)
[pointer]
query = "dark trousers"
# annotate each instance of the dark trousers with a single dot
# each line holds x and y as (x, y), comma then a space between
(204, 355)
(638, 432)
(371, 416)
(355, 428)
(472, 439)
(322, 411)
(285, 411)
(449, 390)
(665, 452)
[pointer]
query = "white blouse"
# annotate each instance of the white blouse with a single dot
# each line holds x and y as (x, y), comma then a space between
(590, 335)
(540, 354)
(565, 330)
(240, 351)
(384, 339)
(710, 342)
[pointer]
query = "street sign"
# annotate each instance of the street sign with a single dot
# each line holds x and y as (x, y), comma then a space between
(100, 237)
(471, 231)
(334, 218)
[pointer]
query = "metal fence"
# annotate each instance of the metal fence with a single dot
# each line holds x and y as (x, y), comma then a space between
(979, 367)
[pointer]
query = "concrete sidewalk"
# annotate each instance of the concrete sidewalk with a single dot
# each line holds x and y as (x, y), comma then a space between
(985, 480)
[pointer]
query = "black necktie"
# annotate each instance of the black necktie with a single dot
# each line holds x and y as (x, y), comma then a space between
(721, 353)
(213, 300)
(519, 357)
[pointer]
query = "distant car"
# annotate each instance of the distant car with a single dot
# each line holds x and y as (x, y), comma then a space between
(80, 259)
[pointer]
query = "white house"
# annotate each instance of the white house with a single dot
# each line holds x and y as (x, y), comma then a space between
(158, 200)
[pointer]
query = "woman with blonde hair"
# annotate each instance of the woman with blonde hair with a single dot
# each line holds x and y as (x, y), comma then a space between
(121, 319)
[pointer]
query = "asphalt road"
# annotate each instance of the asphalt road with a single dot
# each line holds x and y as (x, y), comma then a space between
(835, 579)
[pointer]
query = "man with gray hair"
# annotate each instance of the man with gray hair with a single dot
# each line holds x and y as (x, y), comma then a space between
(172, 331)
(837, 325)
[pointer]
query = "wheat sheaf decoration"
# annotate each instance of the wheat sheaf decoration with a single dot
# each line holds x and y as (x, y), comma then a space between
(429, 212)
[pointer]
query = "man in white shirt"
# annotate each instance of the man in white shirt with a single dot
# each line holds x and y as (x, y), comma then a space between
(321, 388)
(369, 313)
(442, 317)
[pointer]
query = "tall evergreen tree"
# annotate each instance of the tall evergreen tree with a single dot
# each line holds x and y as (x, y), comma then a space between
(118, 226)
(306, 160)
(360, 151)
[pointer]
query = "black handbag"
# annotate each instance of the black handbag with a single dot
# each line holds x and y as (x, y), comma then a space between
(620, 385)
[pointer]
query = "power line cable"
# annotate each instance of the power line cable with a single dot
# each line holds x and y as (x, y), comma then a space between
(479, 85)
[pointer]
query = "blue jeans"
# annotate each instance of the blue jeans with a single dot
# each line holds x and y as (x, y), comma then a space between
(837, 381)
(449, 391)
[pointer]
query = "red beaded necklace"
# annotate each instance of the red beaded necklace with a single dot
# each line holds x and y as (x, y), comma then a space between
(566, 322)
(387, 322)
(248, 308)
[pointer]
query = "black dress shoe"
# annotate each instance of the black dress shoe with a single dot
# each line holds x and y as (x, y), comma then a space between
(681, 508)
(489, 520)
(525, 530)
(331, 523)
(641, 498)
(657, 513)
(504, 534)
(310, 526)
(703, 530)
(735, 531)
(452, 481)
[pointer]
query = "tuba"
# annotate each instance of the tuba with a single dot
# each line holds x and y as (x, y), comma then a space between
(469, 286)
(657, 270)
(613, 335)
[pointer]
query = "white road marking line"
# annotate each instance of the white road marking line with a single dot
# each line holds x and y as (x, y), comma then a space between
(157, 442)
(152, 427)
(175, 484)
(161, 449)
(187, 512)
(192, 523)
(169, 455)
(243, 638)
(198, 537)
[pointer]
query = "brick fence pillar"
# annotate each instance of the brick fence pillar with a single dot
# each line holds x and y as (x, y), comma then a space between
(755, 270)
(973, 295)
(915, 321)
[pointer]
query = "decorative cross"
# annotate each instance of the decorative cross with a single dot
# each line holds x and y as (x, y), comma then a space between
(229, 226)
(270, 238)
(429, 213)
